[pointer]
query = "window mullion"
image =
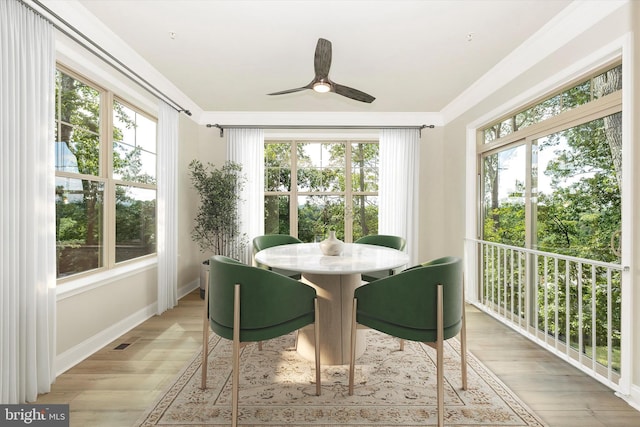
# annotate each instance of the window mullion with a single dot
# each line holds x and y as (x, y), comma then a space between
(293, 195)
(530, 199)
(348, 197)
(106, 171)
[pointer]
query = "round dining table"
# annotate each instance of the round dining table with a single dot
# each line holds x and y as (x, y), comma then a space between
(334, 278)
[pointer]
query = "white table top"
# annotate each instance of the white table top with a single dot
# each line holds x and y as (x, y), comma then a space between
(355, 258)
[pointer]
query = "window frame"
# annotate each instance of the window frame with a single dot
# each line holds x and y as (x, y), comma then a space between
(566, 86)
(595, 109)
(347, 195)
(105, 176)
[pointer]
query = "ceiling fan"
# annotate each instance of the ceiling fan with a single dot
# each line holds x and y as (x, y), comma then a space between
(322, 83)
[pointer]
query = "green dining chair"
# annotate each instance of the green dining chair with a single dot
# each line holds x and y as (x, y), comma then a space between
(269, 240)
(394, 242)
(249, 304)
(424, 303)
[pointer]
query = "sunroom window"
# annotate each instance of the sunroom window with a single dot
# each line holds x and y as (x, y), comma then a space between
(105, 162)
(314, 186)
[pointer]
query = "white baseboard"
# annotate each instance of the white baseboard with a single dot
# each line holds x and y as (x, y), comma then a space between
(188, 288)
(78, 353)
(632, 399)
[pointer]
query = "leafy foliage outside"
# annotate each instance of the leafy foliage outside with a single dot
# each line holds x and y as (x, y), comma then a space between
(322, 189)
(81, 177)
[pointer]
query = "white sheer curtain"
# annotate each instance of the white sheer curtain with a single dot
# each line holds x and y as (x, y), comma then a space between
(167, 207)
(246, 147)
(398, 186)
(27, 217)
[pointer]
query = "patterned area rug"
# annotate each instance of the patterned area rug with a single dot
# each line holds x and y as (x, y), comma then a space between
(392, 388)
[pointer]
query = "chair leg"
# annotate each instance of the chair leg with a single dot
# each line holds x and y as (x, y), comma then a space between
(401, 344)
(259, 345)
(316, 327)
(463, 343)
(352, 356)
(236, 356)
(440, 358)
(205, 338)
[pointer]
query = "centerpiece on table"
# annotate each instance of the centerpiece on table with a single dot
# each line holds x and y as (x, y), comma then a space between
(332, 246)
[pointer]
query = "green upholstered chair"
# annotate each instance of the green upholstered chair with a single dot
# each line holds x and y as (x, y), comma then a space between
(424, 303)
(394, 242)
(249, 304)
(269, 240)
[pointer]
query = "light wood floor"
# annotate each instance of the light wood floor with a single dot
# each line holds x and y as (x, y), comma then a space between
(112, 388)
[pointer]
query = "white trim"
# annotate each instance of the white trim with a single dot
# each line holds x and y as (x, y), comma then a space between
(79, 352)
(564, 27)
(188, 288)
(627, 311)
(607, 53)
(471, 224)
(633, 398)
(374, 135)
(93, 281)
(324, 118)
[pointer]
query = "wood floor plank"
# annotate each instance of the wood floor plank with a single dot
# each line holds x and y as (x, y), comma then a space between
(113, 388)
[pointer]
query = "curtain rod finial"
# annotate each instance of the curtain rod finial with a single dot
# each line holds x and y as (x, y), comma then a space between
(209, 125)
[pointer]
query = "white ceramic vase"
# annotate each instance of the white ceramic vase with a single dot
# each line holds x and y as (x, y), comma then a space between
(331, 246)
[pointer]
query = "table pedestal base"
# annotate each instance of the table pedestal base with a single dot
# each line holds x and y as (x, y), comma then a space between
(335, 302)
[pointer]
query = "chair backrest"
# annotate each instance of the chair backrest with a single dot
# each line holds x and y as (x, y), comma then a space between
(394, 242)
(443, 260)
(271, 304)
(405, 305)
(269, 240)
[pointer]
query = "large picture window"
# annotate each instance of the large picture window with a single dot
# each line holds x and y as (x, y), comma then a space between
(105, 162)
(556, 188)
(312, 187)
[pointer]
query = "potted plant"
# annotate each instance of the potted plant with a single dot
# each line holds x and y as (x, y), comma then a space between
(217, 224)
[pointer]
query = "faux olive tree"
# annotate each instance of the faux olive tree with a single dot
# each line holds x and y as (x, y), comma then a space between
(217, 225)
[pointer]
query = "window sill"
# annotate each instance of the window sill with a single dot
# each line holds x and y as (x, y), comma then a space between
(93, 281)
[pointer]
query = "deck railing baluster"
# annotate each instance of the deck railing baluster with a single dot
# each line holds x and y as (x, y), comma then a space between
(509, 290)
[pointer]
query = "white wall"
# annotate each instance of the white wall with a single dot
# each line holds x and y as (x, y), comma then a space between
(189, 257)
(432, 207)
(634, 105)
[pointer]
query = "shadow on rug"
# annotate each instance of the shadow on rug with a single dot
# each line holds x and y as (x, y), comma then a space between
(392, 388)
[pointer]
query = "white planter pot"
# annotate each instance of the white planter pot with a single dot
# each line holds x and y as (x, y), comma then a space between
(204, 277)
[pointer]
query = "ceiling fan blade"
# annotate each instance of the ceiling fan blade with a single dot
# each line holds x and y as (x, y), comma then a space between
(322, 64)
(298, 89)
(352, 93)
(322, 59)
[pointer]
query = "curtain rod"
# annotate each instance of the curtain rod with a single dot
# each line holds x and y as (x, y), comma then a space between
(139, 80)
(223, 127)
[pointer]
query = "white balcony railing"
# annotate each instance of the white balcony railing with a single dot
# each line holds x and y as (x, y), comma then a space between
(570, 306)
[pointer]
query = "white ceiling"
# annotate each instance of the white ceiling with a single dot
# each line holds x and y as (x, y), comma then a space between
(413, 56)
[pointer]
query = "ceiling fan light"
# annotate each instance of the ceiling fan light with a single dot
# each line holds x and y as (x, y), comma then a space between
(322, 87)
